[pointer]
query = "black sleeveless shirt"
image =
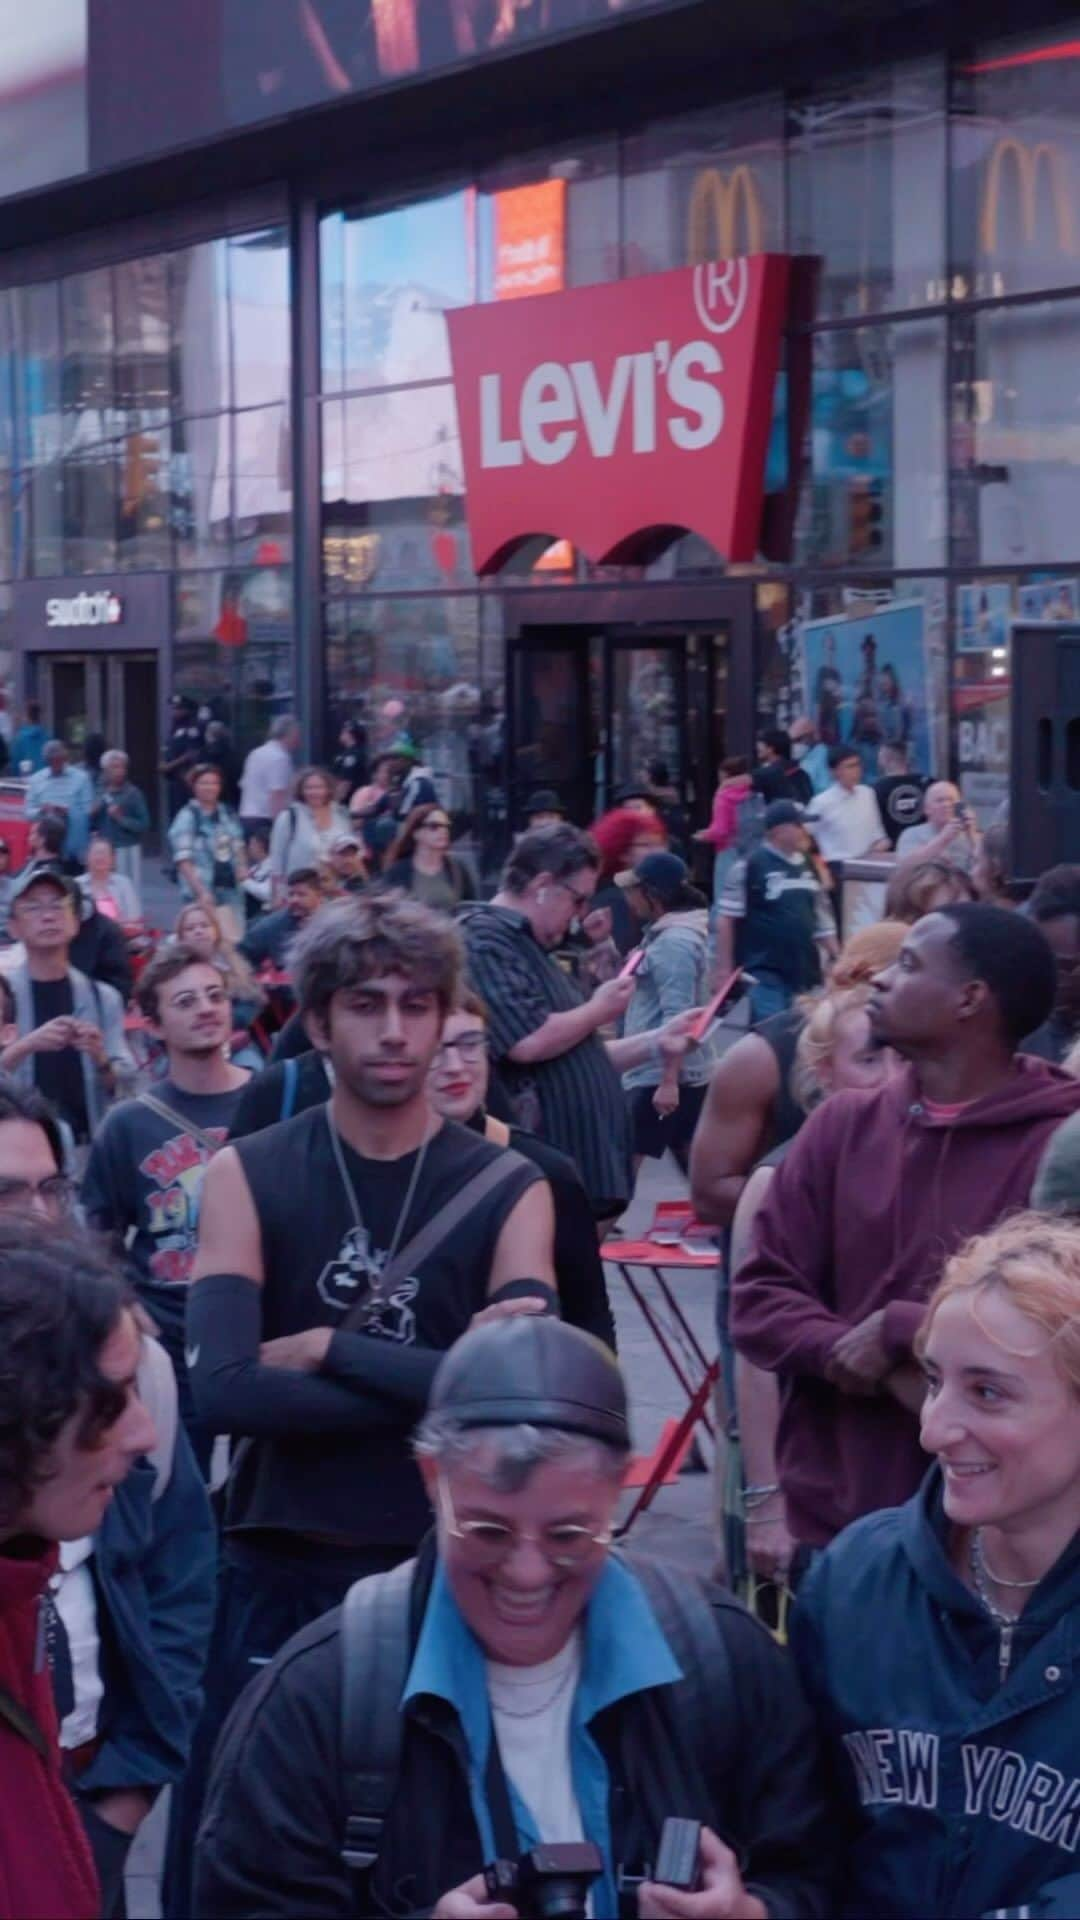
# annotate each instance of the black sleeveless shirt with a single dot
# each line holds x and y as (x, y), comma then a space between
(364, 1488)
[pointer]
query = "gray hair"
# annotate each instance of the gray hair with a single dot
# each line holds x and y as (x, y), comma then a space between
(507, 1457)
(115, 757)
(284, 724)
(559, 851)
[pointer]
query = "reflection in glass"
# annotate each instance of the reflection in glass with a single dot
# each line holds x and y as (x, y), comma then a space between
(201, 355)
(401, 271)
(234, 647)
(141, 292)
(397, 520)
(202, 489)
(704, 186)
(876, 488)
(144, 530)
(259, 312)
(1016, 167)
(865, 166)
(87, 387)
(90, 503)
(1016, 437)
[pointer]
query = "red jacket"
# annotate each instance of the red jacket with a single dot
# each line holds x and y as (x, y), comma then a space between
(46, 1870)
(870, 1200)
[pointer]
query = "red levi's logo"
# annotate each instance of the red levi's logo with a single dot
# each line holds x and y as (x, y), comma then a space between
(619, 416)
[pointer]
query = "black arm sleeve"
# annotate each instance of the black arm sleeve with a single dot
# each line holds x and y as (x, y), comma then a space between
(374, 1366)
(235, 1393)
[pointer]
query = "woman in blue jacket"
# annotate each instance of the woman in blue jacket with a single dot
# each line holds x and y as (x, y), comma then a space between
(941, 1640)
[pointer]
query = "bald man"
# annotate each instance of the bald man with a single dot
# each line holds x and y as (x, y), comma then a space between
(947, 833)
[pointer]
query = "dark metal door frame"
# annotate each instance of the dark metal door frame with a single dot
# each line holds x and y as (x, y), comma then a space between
(643, 616)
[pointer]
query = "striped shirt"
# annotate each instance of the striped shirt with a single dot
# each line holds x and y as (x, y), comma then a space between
(583, 1110)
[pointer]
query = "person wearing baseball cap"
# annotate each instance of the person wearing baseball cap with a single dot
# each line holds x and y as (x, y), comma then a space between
(522, 1683)
(775, 914)
(348, 863)
(544, 809)
(70, 1043)
(668, 1090)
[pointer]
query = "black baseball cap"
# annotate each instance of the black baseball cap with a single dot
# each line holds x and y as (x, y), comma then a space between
(783, 813)
(664, 874)
(533, 1370)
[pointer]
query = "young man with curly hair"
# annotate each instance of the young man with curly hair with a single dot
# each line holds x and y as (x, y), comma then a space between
(71, 1427)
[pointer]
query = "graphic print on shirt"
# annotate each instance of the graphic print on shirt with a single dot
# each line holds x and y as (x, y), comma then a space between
(901, 1766)
(177, 1168)
(353, 1277)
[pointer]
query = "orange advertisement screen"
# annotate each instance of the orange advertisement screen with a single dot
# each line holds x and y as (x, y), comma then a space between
(530, 240)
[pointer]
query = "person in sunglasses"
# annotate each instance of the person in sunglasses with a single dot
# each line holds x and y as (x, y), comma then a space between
(520, 1683)
(421, 863)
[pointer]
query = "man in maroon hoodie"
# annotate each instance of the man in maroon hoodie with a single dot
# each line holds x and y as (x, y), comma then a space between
(876, 1192)
(71, 1427)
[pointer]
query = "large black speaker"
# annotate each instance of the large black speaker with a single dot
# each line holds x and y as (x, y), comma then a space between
(1044, 776)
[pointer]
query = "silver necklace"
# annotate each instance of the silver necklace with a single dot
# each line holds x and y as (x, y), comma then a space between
(350, 1190)
(545, 1706)
(978, 1552)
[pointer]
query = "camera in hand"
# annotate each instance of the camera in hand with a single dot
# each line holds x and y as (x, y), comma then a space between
(549, 1882)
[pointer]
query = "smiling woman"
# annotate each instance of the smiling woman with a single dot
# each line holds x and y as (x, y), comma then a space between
(963, 1797)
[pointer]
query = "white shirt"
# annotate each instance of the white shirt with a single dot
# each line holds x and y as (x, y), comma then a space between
(76, 1603)
(531, 1707)
(846, 823)
(268, 769)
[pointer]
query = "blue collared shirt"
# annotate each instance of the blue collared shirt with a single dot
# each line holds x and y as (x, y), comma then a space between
(623, 1652)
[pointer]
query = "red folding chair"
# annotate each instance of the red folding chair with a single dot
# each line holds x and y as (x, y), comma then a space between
(674, 1242)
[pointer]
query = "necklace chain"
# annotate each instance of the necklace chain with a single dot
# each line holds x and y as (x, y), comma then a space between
(1017, 1586)
(533, 1713)
(350, 1190)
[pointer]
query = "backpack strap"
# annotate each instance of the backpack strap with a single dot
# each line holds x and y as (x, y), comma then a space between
(375, 1653)
(174, 1119)
(288, 1088)
(442, 1224)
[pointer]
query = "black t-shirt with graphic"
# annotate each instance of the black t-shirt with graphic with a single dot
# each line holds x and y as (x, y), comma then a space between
(361, 1488)
(780, 927)
(145, 1173)
(900, 799)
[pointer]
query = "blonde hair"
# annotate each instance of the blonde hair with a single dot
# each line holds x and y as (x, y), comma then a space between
(817, 1040)
(868, 952)
(1034, 1260)
(237, 969)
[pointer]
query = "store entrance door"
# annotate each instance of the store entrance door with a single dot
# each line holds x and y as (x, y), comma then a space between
(114, 694)
(590, 706)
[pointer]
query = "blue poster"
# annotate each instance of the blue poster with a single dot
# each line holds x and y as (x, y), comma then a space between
(983, 612)
(867, 684)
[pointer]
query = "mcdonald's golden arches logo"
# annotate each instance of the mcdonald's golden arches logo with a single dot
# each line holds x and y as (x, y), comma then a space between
(1030, 163)
(712, 217)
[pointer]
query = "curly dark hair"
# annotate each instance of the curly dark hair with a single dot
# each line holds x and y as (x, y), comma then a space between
(60, 1299)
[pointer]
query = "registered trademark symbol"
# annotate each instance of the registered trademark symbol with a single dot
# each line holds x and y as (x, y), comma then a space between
(720, 293)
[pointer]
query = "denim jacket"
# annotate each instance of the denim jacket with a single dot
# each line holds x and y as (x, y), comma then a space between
(670, 980)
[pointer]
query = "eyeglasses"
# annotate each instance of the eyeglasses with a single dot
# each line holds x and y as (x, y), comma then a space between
(55, 1193)
(435, 826)
(37, 909)
(487, 1543)
(580, 900)
(471, 1046)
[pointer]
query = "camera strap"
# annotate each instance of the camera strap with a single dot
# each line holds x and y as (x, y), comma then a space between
(499, 1804)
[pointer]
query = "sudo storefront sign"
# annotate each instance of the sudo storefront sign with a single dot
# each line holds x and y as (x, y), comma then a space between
(620, 415)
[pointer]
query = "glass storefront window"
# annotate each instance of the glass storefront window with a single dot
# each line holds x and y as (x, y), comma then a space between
(387, 279)
(865, 166)
(201, 347)
(234, 647)
(141, 293)
(549, 221)
(259, 318)
(90, 502)
(202, 505)
(1015, 185)
(875, 490)
(393, 510)
(1016, 434)
(704, 187)
(144, 523)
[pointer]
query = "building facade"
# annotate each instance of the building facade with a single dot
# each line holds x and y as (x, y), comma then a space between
(231, 400)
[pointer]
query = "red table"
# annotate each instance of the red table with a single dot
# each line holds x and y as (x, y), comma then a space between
(696, 1373)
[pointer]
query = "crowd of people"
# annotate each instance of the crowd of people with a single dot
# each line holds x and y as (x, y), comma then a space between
(313, 1433)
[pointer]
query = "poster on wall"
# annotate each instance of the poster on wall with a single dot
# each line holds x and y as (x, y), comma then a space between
(983, 612)
(1050, 600)
(866, 682)
(982, 746)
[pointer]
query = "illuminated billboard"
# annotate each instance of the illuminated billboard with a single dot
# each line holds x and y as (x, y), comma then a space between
(42, 92)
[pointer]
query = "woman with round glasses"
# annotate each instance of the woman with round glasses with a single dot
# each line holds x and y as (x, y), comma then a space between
(458, 1089)
(940, 1639)
(421, 863)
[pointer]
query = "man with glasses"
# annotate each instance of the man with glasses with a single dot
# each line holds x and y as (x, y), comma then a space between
(70, 1043)
(560, 1079)
(535, 1688)
(143, 1180)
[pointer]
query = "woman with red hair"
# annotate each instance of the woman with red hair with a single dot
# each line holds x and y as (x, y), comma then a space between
(624, 836)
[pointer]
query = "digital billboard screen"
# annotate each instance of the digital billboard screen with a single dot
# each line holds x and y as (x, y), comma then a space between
(238, 62)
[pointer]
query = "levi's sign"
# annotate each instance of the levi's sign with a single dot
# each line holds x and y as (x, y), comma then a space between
(620, 416)
(85, 610)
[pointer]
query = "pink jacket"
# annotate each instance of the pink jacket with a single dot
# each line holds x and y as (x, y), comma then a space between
(721, 830)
